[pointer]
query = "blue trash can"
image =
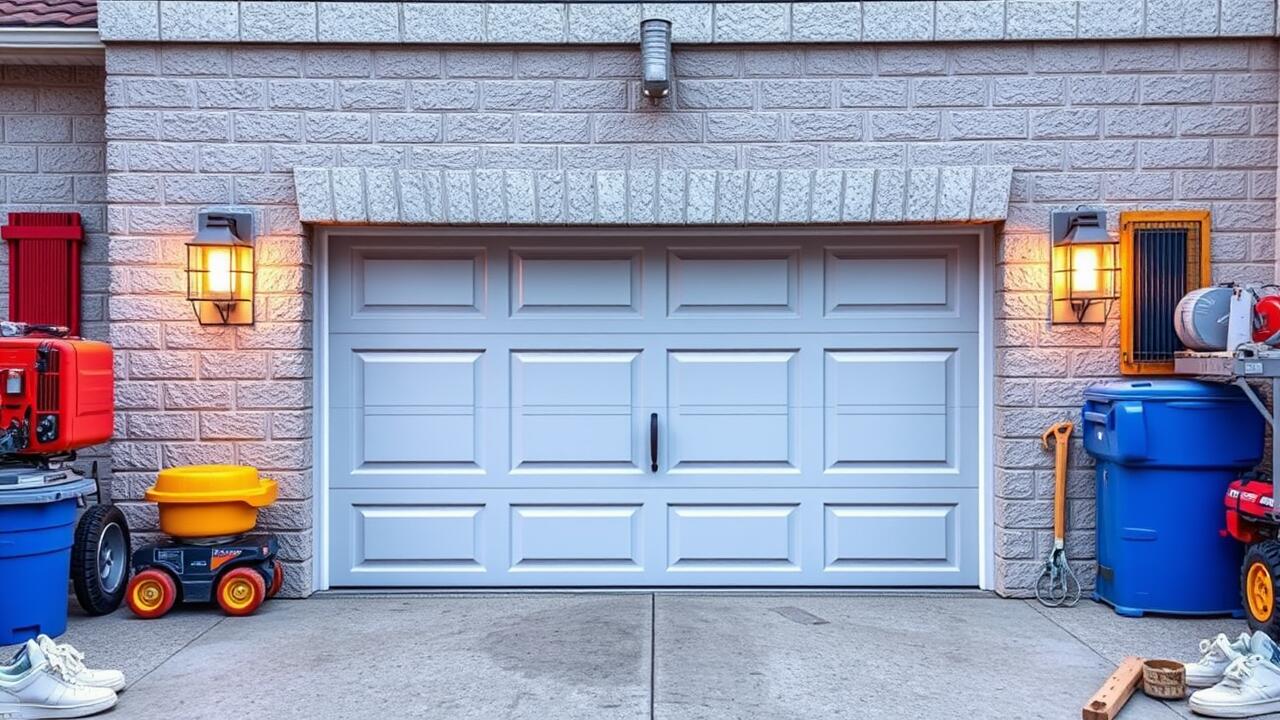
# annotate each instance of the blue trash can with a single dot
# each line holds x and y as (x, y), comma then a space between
(37, 528)
(1166, 451)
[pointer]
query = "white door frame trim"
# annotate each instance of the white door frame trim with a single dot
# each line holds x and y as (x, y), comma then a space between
(984, 234)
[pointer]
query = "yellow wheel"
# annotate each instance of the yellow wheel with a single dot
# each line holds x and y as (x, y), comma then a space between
(241, 590)
(1258, 591)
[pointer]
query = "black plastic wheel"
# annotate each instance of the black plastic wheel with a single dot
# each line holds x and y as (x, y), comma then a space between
(1260, 586)
(100, 559)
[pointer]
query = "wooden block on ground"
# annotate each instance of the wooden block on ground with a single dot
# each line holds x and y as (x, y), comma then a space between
(1115, 692)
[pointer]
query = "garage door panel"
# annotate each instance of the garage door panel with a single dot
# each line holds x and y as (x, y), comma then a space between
(570, 282)
(487, 537)
(410, 538)
(885, 537)
(394, 281)
(816, 404)
(731, 281)
(733, 538)
(576, 538)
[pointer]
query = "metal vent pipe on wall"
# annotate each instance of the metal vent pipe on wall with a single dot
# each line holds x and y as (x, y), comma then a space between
(655, 58)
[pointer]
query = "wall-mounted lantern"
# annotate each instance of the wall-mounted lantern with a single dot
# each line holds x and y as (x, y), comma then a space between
(220, 268)
(1085, 267)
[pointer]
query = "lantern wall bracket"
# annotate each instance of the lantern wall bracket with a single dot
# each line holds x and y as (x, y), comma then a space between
(242, 224)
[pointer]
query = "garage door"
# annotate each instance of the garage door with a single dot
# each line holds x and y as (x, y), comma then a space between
(627, 408)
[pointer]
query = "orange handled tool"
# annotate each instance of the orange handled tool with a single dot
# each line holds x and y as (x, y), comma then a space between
(1058, 585)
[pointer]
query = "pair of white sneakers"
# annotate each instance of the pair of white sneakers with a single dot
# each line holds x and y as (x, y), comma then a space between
(1241, 678)
(47, 679)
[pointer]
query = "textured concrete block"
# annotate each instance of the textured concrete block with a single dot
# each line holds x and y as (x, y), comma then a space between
(1248, 17)
(859, 195)
(199, 20)
(752, 22)
(358, 22)
(648, 128)
(988, 124)
(690, 22)
(874, 93)
(1040, 19)
(572, 128)
(1100, 19)
(715, 94)
(551, 198)
(819, 126)
(349, 203)
(970, 20)
(1179, 18)
(897, 21)
(526, 23)
(129, 20)
(890, 195)
(826, 22)
(383, 196)
(955, 192)
(430, 22)
(744, 127)
(519, 95)
(459, 200)
(413, 201)
(642, 197)
(480, 127)
(762, 196)
(700, 197)
(444, 95)
(991, 192)
(731, 197)
(479, 63)
(263, 21)
(580, 197)
(604, 22)
(827, 196)
(593, 95)
(611, 197)
(796, 94)
(922, 194)
(794, 196)
(489, 191)
(950, 92)
(521, 195)
(911, 125)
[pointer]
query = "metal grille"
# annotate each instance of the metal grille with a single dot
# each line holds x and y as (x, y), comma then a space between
(1166, 266)
(48, 385)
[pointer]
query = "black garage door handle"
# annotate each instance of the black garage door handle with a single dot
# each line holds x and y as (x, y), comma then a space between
(653, 442)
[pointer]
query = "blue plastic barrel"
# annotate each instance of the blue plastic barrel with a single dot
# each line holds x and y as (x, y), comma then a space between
(37, 528)
(1166, 451)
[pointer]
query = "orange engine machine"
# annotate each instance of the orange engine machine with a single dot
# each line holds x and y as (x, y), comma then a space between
(56, 393)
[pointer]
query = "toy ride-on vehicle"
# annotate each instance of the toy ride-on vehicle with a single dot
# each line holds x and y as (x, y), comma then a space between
(209, 511)
(1249, 504)
(238, 574)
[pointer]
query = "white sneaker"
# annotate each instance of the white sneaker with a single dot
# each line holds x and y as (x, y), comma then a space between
(1250, 685)
(1215, 656)
(42, 686)
(73, 661)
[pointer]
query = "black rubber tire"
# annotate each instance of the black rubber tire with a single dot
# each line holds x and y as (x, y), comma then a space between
(95, 597)
(1266, 553)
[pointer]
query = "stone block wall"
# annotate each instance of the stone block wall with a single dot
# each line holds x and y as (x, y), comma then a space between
(52, 153)
(1133, 124)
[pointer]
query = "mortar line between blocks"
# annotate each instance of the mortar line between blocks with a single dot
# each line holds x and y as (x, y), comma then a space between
(174, 654)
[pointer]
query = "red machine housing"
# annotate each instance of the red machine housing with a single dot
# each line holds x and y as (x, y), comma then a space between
(1249, 504)
(56, 395)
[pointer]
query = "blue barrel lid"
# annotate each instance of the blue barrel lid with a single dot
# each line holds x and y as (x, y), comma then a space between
(40, 494)
(1172, 389)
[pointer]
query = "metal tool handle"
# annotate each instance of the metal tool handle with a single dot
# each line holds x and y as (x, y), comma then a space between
(653, 442)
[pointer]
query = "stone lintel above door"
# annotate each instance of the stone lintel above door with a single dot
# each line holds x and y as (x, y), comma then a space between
(390, 196)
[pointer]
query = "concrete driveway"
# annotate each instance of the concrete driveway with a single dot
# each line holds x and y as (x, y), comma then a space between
(675, 655)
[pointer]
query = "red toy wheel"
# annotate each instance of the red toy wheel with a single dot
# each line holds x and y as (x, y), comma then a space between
(277, 580)
(240, 591)
(151, 594)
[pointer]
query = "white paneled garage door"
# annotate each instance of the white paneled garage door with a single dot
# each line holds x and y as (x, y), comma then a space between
(638, 408)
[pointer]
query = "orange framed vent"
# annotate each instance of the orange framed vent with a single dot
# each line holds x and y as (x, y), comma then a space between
(1164, 254)
(44, 268)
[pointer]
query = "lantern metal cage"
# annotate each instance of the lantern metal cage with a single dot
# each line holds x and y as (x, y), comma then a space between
(220, 269)
(1085, 268)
